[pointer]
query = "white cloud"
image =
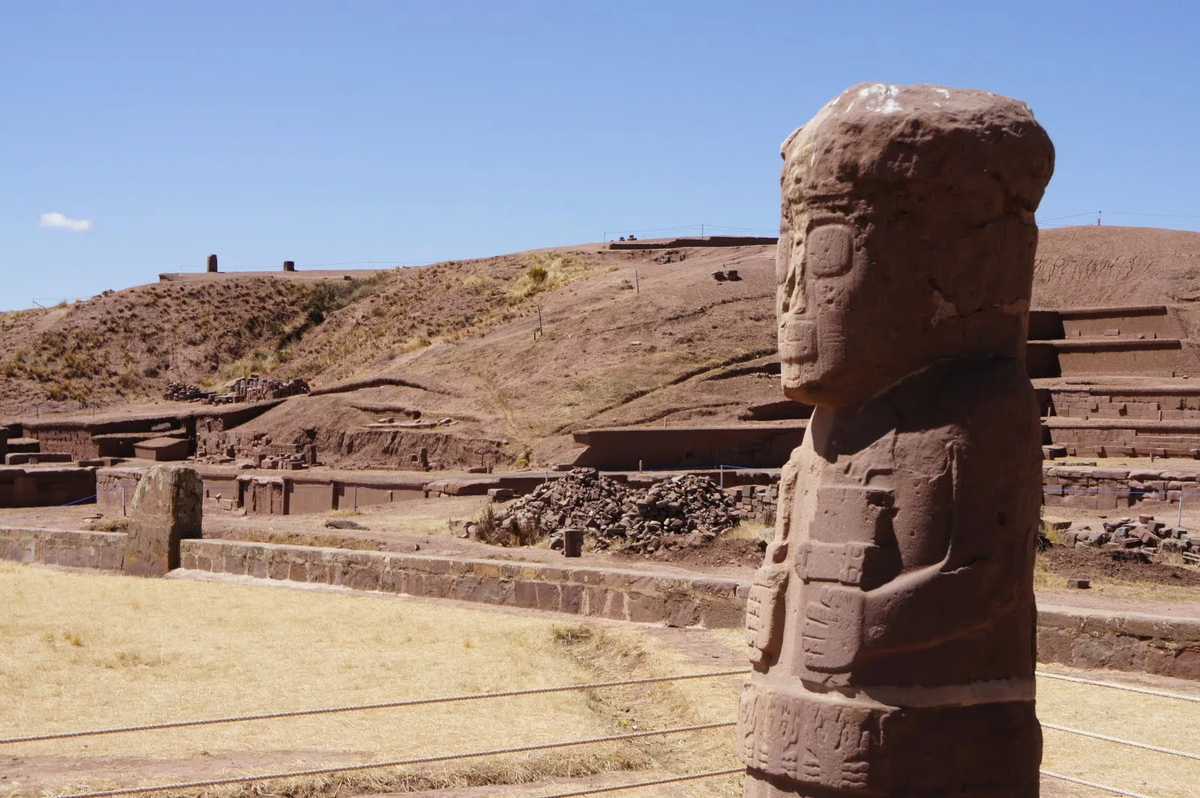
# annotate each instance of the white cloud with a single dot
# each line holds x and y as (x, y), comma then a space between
(59, 221)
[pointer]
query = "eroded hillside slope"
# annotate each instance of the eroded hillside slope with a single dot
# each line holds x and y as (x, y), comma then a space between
(520, 349)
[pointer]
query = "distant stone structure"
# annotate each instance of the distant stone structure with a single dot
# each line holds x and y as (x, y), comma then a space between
(891, 627)
(289, 265)
(212, 263)
(166, 509)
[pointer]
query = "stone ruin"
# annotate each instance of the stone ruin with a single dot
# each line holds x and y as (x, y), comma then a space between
(184, 392)
(244, 389)
(682, 511)
(891, 627)
(259, 389)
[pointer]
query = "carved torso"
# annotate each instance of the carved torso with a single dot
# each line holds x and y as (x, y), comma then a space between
(898, 568)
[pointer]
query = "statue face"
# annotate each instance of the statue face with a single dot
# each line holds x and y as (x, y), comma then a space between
(821, 277)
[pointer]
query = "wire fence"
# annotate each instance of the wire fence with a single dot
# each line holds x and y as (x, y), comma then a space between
(421, 760)
(412, 702)
(700, 229)
(534, 747)
(1075, 219)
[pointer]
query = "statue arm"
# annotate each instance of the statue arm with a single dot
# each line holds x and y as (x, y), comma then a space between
(992, 519)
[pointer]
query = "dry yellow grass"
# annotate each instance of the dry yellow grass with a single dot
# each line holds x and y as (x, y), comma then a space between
(85, 651)
(1156, 721)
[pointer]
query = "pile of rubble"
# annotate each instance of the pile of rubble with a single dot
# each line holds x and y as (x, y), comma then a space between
(182, 392)
(1144, 534)
(681, 511)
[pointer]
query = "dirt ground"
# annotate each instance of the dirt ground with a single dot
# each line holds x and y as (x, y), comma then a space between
(1129, 565)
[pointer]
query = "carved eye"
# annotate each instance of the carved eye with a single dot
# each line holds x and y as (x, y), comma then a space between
(829, 250)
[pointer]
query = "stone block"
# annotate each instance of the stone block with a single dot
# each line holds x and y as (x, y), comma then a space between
(166, 510)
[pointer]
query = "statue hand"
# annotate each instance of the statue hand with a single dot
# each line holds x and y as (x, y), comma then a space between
(832, 628)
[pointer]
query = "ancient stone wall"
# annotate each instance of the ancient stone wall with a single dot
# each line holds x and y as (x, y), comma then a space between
(1125, 437)
(45, 486)
(101, 550)
(620, 595)
(1126, 403)
(1104, 489)
(76, 441)
(1128, 642)
(1079, 638)
(744, 445)
(115, 488)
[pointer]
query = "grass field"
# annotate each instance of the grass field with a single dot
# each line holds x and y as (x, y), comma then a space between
(82, 651)
(87, 651)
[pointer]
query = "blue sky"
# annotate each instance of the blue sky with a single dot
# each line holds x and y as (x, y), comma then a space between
(407, 132)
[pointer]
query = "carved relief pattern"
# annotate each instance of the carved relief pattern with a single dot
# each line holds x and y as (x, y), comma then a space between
(809, 738)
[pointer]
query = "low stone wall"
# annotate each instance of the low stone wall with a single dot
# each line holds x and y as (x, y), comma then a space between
(1127, 642)
(621, 595)
(101, 550)
(1096, 488)
(1071, 636)
(45, 486)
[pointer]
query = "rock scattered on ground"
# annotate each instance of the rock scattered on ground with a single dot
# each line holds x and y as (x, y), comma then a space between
(1144, 534)
(686, 510)
(343, 523)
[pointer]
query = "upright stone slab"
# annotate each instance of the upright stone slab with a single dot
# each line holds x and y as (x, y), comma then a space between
(212, 263)
(166, 509)
(891, 627)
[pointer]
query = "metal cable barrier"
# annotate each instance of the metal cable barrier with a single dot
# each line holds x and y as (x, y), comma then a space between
(712, 774)
(423, 760)
(1117, 740)
(1115, 686)
(1092, 784)
(1120, 741)
(413, 702)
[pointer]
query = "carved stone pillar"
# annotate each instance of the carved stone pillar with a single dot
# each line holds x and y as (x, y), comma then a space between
(891, 627)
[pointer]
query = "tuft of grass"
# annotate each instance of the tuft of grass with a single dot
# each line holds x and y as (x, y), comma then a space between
(477, 284)
(546, 272)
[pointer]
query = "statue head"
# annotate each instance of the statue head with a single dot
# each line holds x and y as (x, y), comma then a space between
(907, 236)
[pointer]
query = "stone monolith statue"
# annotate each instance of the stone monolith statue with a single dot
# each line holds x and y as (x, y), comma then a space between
(168, 507)
(891, 627)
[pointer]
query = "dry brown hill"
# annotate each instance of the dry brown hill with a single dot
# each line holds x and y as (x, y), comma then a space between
(1114, 266)
(626, 339)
